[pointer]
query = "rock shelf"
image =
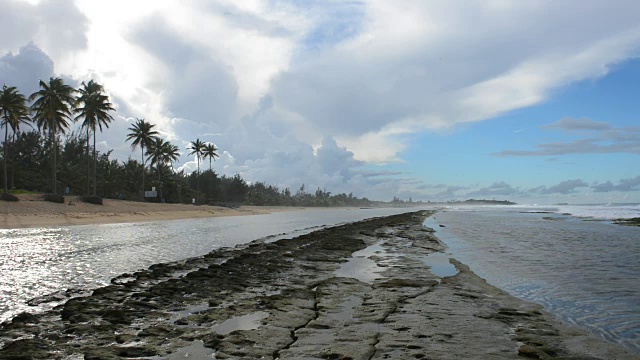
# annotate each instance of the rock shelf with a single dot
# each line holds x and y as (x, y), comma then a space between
(294, 299)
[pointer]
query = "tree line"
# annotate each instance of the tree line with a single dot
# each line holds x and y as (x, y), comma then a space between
(41, 155)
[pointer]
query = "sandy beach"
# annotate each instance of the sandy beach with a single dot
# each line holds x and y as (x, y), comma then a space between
(33, 211)
(363, 290)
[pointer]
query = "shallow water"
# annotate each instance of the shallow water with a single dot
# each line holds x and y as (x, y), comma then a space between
(439, 264)
(360, 266)
(196, 351)
(41, 264)
(585, 272)
(244, 322)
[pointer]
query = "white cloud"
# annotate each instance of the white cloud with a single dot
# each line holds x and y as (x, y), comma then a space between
(433, 65)
(267, 81)
(564, 187)
(56, 26)
(603, 139)
(25, 68)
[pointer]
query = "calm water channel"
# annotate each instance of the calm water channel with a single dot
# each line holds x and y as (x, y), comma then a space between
(44, 261)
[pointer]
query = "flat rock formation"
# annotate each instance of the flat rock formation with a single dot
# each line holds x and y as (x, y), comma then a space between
(366, 290)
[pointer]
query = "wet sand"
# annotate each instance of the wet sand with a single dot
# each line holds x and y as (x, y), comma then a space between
(33, 211)
(358, 291)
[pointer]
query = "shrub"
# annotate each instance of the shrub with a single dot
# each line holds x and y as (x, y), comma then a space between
(9, 197)
(22, 191)
(56, 198)
(92, 199)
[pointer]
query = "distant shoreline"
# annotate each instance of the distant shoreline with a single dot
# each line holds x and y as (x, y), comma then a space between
(32, 211)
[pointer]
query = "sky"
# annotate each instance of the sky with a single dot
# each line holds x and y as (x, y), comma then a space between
(531, 101)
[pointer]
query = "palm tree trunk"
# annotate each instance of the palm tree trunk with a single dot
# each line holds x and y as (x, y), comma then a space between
(159, 182)
(13, 151)
(94, 163)
(54, 145)
(211, 183)
(6, 138)
(198, 179)
(143, 170)
(88, 165)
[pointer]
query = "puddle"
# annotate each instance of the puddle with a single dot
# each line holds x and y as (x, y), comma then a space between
(192, 310)
(196, 350)
(439, 264)
(244, 322)
(179, 315)
(360, 266)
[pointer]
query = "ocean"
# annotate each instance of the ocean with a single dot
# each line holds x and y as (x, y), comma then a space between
(580, 267)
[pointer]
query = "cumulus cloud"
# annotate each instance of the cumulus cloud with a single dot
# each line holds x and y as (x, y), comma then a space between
(629, 184)
(564, 187)
(449, 193)
(57, 26)
(499, 188)
(196, 86)
(24, 69)
(331, 167)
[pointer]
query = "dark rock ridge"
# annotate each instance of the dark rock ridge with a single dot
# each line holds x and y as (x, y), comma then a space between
(628, 222)
(355, 291)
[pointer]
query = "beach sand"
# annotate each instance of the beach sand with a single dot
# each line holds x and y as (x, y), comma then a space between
(33, 211)
(356, 291)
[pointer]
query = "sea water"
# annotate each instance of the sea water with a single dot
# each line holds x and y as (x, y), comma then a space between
(585, 272)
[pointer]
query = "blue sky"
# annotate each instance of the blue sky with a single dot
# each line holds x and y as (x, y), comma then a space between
(532, 101)
(466, 155)
(613, 99)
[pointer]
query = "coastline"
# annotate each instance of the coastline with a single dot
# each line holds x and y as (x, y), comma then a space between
(310, 297)
(32, 211)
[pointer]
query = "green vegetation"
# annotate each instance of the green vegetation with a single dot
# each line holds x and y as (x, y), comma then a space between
(94, 106)
(142, 134)
(51, 112)
(8, 197)
(30, 158)
(91, 199)
(13, 112)
(27, 155)
(197, 147)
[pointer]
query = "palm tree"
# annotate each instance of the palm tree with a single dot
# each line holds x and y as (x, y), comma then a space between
(160, 153)
(13, 110)
(197, 147)
(171, 153)
(142, 134)
(52, 108)
(94, 107)
(210, 151)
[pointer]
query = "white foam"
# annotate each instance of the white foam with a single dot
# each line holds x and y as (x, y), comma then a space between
(605, 212)
(593, 211)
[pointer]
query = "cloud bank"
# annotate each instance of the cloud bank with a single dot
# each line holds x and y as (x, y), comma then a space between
(602, 139)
